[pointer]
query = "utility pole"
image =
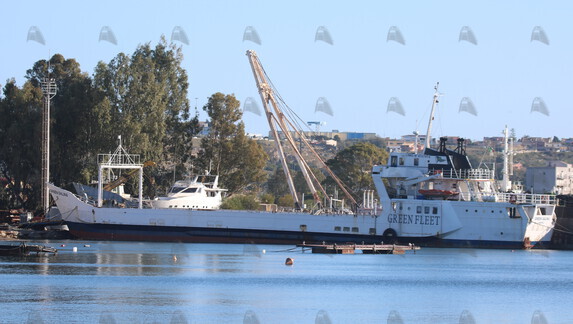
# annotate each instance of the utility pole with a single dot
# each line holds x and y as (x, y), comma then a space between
(49, 90)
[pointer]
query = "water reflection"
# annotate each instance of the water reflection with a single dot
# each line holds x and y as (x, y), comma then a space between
(144, 283)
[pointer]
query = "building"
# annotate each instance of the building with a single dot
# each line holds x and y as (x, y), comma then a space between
(343, 136)
(555, 178)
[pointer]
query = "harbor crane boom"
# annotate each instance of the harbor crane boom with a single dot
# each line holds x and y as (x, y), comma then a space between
(277, 119)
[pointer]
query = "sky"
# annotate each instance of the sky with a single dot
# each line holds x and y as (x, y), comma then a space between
(522, 51)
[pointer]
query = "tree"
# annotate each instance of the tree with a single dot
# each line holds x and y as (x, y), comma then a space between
(238, 159)
(147, 94)
(77, 119)
(354, 164)
(20, 138)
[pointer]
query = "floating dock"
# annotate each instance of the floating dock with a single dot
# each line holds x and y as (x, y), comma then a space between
(351, 248)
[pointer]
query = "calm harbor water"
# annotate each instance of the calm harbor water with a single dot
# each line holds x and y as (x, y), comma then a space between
(117, 282)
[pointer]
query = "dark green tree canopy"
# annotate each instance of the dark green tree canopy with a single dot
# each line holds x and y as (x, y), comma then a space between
(227, 150)
(353, 166)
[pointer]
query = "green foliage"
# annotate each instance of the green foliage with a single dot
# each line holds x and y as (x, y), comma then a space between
(238, 159)
(241, 202)
(20, 139)
(142, 97)
(267, 198)
(353, 166)
(286, 201)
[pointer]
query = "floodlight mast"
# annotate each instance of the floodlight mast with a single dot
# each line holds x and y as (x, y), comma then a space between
(49, 90)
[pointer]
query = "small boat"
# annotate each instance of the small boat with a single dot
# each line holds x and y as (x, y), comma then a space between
(199, 192)
(24, 249)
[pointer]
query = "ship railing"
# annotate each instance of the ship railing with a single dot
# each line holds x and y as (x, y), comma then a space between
(514, 198)
(472, 174)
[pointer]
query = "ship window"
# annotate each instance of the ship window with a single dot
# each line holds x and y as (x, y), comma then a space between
(355, 229)
(426, 209)
(393, 161)
(337, 228)
(419, 209)
(190, 190)
(416, 161)
(303, 228)
(541, 211)
(434, 210)
(401, 161)
(176, 189)
(346, 229)
(372, 231)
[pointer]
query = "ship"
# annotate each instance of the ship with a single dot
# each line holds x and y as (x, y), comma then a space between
(434, 198)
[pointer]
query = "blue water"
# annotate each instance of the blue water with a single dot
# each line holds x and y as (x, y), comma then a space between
(211, 283)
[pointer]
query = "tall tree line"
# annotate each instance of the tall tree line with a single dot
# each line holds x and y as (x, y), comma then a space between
(142, 97)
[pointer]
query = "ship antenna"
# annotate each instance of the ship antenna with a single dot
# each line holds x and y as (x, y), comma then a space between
(434, 102)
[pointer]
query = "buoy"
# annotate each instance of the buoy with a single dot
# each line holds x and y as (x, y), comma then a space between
(174, 258)
(75, 249)
(87, 245)
(264, 251)
(62, 245)
(289, 261)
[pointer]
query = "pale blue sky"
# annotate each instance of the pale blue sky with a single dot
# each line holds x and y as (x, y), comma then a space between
(502, 74)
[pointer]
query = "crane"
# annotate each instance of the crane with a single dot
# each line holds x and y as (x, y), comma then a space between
(277, 118)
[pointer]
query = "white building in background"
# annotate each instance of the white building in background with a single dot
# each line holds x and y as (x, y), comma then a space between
(556, 178)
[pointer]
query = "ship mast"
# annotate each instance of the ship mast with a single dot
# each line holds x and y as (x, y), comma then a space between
(434, 102)
(505, 183)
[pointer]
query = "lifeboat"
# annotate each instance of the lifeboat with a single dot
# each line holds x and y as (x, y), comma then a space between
(437, 193)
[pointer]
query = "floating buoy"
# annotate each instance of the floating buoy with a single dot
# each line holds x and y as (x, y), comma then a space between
(264, 251)
(174, 258)
(87, 245)
(289, 261)
(75, 249)
(62, 245)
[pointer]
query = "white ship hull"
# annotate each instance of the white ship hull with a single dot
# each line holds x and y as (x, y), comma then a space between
(451, 227)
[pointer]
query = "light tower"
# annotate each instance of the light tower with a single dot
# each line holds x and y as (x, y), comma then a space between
(49, 90)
